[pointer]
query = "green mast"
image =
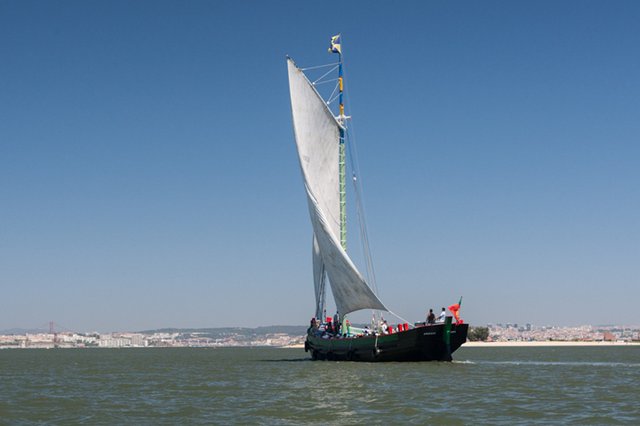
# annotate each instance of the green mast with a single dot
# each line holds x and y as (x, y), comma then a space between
(336, 47)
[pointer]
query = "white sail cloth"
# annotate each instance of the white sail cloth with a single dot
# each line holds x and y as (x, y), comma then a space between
(318, 278)
(317, 135)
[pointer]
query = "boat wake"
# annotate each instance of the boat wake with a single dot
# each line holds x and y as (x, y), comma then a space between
(561, 363)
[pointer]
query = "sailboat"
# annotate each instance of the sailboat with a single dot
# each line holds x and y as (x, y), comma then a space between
(320, 138)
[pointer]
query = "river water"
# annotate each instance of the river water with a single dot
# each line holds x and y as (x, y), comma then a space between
(541, 385)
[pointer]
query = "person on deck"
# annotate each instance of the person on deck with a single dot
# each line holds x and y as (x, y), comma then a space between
(385, 327)
(336, 322)
(441, 316)
(431, 318)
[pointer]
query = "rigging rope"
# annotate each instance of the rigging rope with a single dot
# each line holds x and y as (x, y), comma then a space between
(325, 74)
(326, 81)
(333, 96)
(319, 66)
(404, 320)
(360, 208)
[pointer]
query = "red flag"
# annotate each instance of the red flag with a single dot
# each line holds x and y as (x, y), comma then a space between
(454, 310)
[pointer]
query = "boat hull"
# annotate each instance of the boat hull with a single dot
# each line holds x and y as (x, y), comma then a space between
(422, 343)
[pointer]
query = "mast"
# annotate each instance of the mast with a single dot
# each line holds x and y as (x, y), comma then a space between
(342, 163)
(336, 47)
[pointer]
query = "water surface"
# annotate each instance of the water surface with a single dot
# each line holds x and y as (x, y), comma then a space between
(543, 385)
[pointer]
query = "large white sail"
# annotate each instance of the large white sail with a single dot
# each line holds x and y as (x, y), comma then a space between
(317, 135)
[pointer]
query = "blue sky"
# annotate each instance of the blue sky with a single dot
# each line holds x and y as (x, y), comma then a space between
(148, 175)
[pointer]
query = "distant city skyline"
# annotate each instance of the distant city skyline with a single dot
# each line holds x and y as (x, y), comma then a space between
(500, 324)
(295, 336)
(148, 174)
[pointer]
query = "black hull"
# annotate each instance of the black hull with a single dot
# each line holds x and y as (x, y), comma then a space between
(424, 343)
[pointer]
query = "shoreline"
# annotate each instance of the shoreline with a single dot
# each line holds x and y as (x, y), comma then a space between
(523, 344)
(546, 343)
